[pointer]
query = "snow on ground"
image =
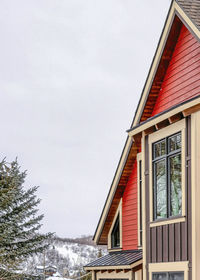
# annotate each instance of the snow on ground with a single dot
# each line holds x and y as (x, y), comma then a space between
(77, 254)
(67, 251)
(57, 276)
(69, 257)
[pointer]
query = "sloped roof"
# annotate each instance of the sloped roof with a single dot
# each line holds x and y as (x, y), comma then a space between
(192, 9)
(120, 258)
(185, 12)
(188, 13)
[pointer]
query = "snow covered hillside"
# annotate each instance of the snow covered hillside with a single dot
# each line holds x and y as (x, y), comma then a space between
(68, 255)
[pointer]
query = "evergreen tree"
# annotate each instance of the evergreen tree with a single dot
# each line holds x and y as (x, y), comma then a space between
(19, 221)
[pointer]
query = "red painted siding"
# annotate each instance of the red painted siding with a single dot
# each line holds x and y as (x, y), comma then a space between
(129, 213)
(182, 79)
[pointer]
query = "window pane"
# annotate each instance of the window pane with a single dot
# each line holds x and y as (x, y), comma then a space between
(160, 276)
(175, 184)
(160, 188)
(163, 148)
(178, 141)
(115, 236)
(176, 276)
(174, 142)
(159, 149)
(156, 150)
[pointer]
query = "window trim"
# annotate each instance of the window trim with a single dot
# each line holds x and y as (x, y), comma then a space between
(166, 159)
(117, 214)
(179, 126)
(140, 199)
(169, 267)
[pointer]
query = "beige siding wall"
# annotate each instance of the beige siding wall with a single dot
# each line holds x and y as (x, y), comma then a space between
(196, 195)
(114, 275)
(119, 275)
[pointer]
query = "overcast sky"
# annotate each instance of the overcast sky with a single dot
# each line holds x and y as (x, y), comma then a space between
(71, 74)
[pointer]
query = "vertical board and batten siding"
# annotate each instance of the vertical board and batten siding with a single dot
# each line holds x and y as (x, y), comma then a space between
(170, 242)
(129, 212)
(182, 79)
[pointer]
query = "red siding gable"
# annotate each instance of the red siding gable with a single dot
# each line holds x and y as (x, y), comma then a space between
(129, 212)
(182, 79)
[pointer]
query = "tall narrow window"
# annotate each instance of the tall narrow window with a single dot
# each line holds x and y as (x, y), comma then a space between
(167, 187)
(115, 235)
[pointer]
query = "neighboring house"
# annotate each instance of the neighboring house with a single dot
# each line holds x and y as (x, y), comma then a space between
(151, 218)
(39, 269)
(49, 270)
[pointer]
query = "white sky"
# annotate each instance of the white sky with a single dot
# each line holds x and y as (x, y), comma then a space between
(71, 74)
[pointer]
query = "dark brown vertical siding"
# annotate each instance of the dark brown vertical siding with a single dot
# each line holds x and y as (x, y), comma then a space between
(154, 245)
(165, 243)
(159, 244)
(177, 242)
(184, 241)
(172, 242)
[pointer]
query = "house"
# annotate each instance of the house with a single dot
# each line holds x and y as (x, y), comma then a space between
(39, 269)
(49, 270)
(151, 218)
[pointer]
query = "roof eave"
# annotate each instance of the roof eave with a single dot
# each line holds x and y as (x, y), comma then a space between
(192, 105)
(130, 266)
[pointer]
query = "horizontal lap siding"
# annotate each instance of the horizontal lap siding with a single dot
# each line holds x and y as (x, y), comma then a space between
(182, 79)
(129, 212)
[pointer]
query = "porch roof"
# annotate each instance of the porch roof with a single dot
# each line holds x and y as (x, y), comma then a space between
(120, 258)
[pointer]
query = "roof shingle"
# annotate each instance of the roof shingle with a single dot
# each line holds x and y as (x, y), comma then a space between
(118, 258)
(192, 9)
